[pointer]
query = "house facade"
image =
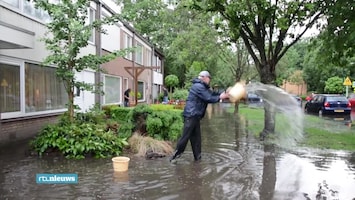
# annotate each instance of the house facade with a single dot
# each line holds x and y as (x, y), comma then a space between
(31, 95)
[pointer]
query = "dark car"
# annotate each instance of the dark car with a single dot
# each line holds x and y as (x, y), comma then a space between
(253, 98)
(298, 99)
(328, 104)
(351, 99)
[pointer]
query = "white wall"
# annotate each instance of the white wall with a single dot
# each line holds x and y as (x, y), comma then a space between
(111, 40)
(157, 78)
(86, 100)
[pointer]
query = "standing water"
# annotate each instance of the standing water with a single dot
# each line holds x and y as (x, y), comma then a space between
(234, 165)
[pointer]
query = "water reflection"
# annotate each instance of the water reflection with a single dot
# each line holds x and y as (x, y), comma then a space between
(234, 166)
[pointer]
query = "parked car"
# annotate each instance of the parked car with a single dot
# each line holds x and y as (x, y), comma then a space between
(253, 98)
(328, 104)
(351, 99)
(298, 99)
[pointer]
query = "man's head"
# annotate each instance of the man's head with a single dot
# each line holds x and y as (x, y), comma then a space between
(205, 76)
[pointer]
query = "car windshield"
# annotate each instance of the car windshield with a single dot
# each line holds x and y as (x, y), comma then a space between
(336, 98)
(252, 95)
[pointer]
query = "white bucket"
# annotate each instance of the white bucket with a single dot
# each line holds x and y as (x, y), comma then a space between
(120, 163)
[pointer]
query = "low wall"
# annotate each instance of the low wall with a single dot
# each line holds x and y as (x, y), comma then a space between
(23, 128)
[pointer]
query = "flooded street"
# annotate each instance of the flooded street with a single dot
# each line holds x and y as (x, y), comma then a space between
(234, 165)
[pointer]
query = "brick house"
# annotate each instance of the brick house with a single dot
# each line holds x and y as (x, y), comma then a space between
(31, 95)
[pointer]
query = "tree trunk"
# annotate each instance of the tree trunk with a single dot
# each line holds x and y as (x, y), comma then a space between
(269, 121)
(268, 76)
(71, 106)
(236, 107)
(268, 183)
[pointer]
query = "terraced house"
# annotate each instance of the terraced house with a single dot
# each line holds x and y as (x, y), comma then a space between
(32, 95)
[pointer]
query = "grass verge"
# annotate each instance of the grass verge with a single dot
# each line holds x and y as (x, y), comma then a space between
(318, 132)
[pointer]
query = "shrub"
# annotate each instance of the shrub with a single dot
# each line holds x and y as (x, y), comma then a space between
(84, 137)
(163, 125)
(180, 94)
(119, 113)
(162, 107)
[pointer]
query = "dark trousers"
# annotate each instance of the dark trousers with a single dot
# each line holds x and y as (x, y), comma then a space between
(191, 132)
(126, 103)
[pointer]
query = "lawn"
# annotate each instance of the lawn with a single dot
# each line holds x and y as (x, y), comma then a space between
(317, 132)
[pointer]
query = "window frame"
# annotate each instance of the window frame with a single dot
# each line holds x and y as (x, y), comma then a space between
(119, 96)
(22, 112)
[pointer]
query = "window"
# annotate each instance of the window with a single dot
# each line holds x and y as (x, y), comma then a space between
(43, 90)
(91, 20)
(139, 54)
(29, 8)
(141, 90)
(148, 60)
(128, 44)
(112, 89)
(158, 64)
(10, 88)
(15, 3)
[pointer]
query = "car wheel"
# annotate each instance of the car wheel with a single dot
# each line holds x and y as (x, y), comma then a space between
(320, 112)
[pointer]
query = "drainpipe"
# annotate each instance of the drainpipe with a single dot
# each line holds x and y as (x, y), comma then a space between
(98, 80)
(152, 76)
(135, 78)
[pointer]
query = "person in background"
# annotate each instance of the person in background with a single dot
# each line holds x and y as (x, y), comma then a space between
(198, 98)
(126, 97)
(165, 95)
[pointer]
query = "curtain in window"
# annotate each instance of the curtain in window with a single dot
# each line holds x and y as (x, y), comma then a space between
(112, 90)
(10, 88)
(43, 90)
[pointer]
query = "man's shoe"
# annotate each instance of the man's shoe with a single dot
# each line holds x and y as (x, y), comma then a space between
(173, 158)
(198, 158)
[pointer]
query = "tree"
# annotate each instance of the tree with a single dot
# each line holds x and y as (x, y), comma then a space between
(171, 81)
(67, 34)
(334, 85)
(147, 17)
(265, 27)
(297, 79)
(317, 68)
(339, 32)
(185, 36)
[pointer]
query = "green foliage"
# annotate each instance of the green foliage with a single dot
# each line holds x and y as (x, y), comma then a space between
(147, 17)
(180, 94)
(334, 85)
(85, 136)
(158, 121)
(171, 81)
(141, 110)
(164, 125)
(247, 19)
(116, 112)
(132, 94)
(138, 116)
(154, 127)
(339, 34)
(162, 107)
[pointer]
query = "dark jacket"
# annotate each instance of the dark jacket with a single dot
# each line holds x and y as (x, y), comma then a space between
(197, 100)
